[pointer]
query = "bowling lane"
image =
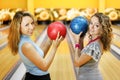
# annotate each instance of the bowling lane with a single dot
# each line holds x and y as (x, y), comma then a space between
(116, 36)
(109, 66)
(3, 35)
(62, 66)
(8, 61)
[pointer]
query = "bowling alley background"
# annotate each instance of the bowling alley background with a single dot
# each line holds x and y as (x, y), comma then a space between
(47, 11)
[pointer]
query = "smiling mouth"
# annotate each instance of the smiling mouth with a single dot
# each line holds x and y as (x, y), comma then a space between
(30, 32)
(90, 30)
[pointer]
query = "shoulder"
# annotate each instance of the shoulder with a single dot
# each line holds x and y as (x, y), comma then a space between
(26, 41)
(27, 49)
(93, 45)
(27, 46)
(93, 50)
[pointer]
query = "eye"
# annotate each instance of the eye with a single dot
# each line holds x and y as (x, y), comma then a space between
(32, 23)
(27, 24)
(90, 22)
(97, 25)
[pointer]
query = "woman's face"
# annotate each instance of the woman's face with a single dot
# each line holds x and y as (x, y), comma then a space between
(95, 28)
(27, 25)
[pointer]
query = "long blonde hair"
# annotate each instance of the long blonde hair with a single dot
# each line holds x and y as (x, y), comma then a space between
(14, 32)
(106, 36)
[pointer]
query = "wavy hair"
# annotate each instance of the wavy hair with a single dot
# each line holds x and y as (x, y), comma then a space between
(14, 32)
(106, 36)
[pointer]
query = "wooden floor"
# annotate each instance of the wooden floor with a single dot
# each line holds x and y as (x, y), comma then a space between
(110, 67)
(62, 67)
(7, 61)
(116, 36)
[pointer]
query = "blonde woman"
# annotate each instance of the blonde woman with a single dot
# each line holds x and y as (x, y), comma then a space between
(33, 57)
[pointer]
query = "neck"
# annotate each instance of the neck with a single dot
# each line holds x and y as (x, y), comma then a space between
(94, 39)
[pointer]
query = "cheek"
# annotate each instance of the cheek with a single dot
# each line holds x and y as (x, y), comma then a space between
(23, 29)
(90, 26)
(33, 27)
(99, 31)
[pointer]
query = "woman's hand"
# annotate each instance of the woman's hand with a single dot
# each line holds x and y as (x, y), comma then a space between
(77, 37)
(58, 40)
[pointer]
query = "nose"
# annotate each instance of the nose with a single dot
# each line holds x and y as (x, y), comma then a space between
(31, 26)
(91, 26)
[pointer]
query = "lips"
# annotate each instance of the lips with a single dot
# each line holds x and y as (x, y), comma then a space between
(91, 30)
(30, 32)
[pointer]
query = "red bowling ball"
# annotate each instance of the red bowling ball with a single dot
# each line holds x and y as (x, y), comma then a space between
(54, 28)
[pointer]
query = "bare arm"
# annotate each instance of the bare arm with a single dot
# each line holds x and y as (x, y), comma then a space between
(45, 46)
(42, 63)
(82, 59)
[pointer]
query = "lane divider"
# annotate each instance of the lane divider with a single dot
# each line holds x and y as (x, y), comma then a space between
(115, 50)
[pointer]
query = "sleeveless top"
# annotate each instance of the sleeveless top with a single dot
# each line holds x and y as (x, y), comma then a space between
(30, 67)
(90, 70)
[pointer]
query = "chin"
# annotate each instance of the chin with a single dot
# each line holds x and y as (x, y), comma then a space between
(30, 34)
(91, 33)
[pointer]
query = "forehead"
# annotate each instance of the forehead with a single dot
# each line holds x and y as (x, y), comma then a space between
(95, 19)
(26, 19)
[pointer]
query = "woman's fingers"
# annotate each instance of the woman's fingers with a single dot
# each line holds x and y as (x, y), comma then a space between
(80, 33)
(58, 35)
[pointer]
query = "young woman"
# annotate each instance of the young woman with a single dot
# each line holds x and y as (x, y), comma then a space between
(33, 57)
(87, 58)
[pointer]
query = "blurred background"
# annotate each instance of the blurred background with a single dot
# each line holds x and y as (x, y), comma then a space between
(47, 11)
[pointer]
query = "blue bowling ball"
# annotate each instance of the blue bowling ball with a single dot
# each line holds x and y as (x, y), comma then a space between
(79, 24)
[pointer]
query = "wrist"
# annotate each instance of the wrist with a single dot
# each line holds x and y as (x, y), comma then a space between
(77, 45)
(49, 42)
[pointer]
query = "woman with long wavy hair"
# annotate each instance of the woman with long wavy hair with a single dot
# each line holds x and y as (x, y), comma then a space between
(87, 58)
